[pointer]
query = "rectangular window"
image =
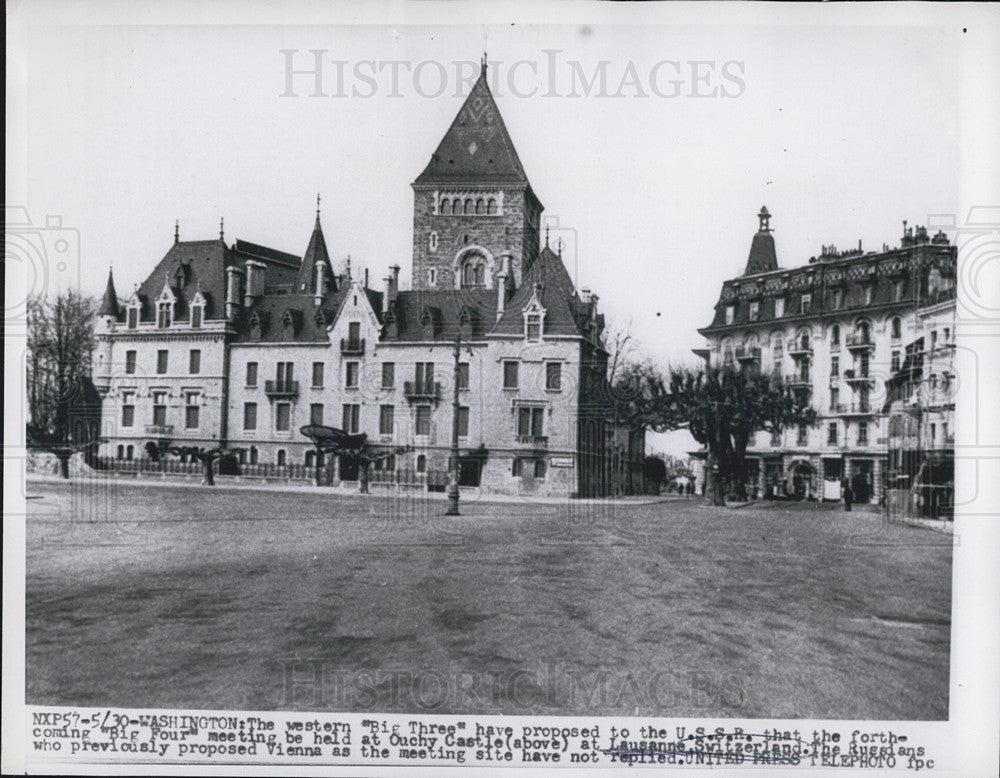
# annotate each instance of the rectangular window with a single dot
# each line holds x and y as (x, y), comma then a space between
(831, 435)
(834, 367)
(161, 361)
(779, 307)
(863, 433)
(386, 419)
(775, 438)
(351, 417)
(897, 291)
(194, 361)
(249, 416)
(128, 410)
(834, 398)
(730, 314)
(163, 316)
(316, 413)
(895, 361)
(803, 437)
(423, 420)
(805, 303)
(251, 373)
(754, 311)
(463, 375)
(539, 468)
(317, 374)
(159, 408)
(868, 294)
(282, 417)
(354, 334)
(517, 467)
(553, 376)
(463, 421)
(196, 316)
(838, 299)
(351, 375)
(933, 434)
(191, 411)
(388, 375)
(129, 361)
(530, 421)
(423, 375)
(284, 373)
(533, 327)
(510, 374)
(133, 318)
(863, 372)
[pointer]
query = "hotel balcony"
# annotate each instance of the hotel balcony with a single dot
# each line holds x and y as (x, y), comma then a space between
(798, 381)
(415, 391)
(860, 343)
(858, 409)
(535, 441)
(800, 348)
(160, 430)
(854, 378)
(352, 348)
(747, 354)
(275, 389)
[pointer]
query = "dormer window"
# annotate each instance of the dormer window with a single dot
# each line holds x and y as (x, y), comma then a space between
(132, 317)
(164, 314)
(779, 307)
(534, 318)
(197, 310)
(730, 314)
(805, 303)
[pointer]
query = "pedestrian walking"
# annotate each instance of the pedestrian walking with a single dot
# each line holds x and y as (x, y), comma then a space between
(848, 495)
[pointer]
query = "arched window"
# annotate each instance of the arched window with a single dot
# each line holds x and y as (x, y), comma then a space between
(480, 275)
(421, 463)
(253, 455)
(802, 339)
(897, 328)
(468, 274)
(121, 452)
(491, 206)
(470, 206)
(456, 206)
(727, 350)
(282, 457)
(432, 241)
(835, 335)
(480, 206)
(863, 329)
(445, 207)
(129, 452)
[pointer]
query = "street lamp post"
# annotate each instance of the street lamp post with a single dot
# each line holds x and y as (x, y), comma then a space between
(453, 479)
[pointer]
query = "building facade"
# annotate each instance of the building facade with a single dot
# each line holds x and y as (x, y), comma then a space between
(834, 329)
(241, 345)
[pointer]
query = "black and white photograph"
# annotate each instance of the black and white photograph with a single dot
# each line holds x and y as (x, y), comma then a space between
(477, 388)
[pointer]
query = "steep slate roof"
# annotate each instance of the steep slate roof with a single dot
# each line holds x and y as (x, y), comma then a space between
(446, 308)
(762, 258)
(270, 311)
(564, 311)
(477, 148)
(316, 254)
(109, 303)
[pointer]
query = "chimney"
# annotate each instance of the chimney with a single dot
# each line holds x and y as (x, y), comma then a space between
(593, 306)
(502, 285)
(234, 291)
(366, 278)
(391, 288)
(320, 289)
(585, 294)
(255, 282)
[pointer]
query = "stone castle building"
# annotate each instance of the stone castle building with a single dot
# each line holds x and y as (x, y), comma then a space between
(835, 329)
(242, 345)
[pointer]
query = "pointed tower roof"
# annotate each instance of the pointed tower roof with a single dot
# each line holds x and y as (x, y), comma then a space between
(763, 257)
(316, 253)
(477, 146)
(109, 303)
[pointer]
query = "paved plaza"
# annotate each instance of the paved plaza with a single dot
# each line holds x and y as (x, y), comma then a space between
(156, 596)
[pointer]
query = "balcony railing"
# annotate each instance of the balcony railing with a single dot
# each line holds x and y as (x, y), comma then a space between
(160, 430)
(799, 348)
(747, 354)
(281, 388)
(798, 380)
(857, 376)
(537, 441)
(422, 390)
(858, 409)
(859, 342)
(352, 347)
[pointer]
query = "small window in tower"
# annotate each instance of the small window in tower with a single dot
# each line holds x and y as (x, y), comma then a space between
(432, 241)
(480, 206)
(456, 206)
(432, 276)
(470, 206)
(445, 207)
(491, 207)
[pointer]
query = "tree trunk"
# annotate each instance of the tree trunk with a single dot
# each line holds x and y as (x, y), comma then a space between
(209, 475)
(714, 486)
(319, 463)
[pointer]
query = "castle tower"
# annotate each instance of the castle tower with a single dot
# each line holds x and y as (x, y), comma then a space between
(316, 272)
(473, 205)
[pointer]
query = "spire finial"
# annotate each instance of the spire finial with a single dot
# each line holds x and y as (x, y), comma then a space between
(559, 246)
(177, 230)
(317, 207)
(222, 228)
(765, 219)
(546, 236)
(482, 64)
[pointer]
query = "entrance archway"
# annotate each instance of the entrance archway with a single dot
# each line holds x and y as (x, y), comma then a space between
(802, 481)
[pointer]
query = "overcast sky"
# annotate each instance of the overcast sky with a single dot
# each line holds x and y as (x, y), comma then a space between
(842, 131)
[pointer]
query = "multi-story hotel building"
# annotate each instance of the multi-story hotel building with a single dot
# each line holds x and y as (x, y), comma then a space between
(834, 329)
(242, 345)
